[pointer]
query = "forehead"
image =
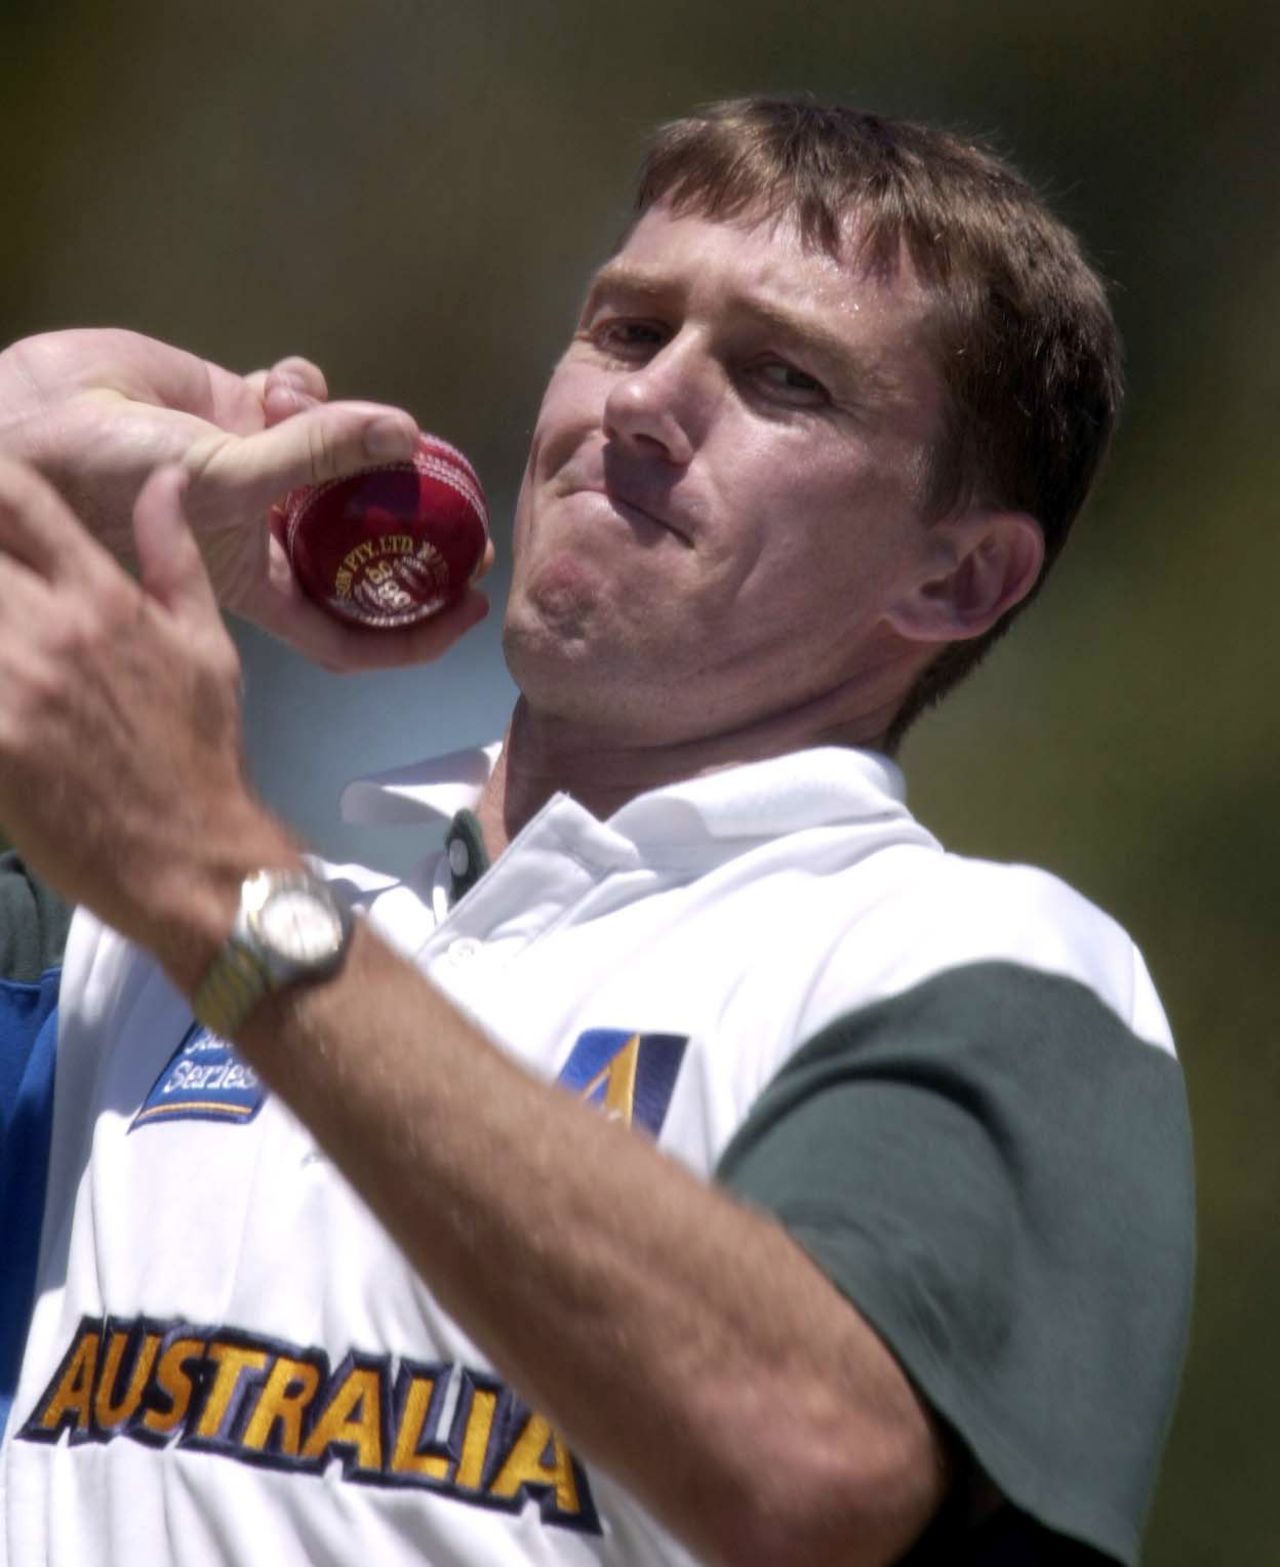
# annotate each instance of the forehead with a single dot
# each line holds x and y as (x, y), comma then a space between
(771, 241)
(762, 271)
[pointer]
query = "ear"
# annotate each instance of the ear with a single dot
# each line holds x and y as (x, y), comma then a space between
(977, 566)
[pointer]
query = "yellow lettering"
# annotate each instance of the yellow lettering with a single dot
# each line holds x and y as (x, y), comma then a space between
(619, 1080)
(74, 1392)
(109, 1414)
(111, 1381)
(353, 1416)
(406, 1459)
(475, 1440)
(435, 564)
(284, 1400)
(538, 1457)
(174, 1382)
(230, 1360)
(360, 554)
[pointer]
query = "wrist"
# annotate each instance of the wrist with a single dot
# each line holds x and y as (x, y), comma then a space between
(290, 930)
(198, 899)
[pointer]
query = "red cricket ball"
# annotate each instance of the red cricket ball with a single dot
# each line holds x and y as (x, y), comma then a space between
(390, 545)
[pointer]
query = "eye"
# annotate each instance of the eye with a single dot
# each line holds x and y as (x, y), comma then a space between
(627, 338)
(786, 383)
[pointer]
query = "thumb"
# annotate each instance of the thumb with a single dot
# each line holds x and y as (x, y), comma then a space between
(171, 568)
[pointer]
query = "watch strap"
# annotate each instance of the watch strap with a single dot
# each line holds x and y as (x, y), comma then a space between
(234, 984)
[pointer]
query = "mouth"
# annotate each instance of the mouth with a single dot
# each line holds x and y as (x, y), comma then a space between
(634, 512)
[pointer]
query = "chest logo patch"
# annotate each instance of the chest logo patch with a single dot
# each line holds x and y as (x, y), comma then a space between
(204, 1080)
(630, 1076)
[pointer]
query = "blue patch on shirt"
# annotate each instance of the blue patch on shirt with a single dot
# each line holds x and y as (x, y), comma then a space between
(205, 1080)
(628, 1075)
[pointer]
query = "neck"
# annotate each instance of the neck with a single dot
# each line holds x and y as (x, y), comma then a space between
(545, 755)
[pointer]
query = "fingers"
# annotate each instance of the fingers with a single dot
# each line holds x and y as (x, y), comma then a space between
(26, 601)
(291, 616)
(303, 376)
(170, 564)
(486, 561)
(291, 387)
(42, 542)
(357, 650)
(38, 529)
(322, 442)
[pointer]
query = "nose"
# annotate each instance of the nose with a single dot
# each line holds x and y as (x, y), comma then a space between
(659, 407)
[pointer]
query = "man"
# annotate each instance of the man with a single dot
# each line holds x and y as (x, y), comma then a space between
(828, 410)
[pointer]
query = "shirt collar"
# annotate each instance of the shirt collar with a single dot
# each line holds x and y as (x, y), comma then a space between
(819, 787)
(431, 791)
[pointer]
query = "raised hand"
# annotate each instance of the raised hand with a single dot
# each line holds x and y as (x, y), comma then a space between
(120, 750)
(98, 411)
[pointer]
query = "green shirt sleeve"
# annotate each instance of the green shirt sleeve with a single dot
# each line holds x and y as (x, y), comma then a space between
(998, 1174)
(33, 923)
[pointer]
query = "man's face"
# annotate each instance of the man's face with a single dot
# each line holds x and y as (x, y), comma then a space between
(723, 493)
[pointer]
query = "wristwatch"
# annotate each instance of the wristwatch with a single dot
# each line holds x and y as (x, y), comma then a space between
(290, 929)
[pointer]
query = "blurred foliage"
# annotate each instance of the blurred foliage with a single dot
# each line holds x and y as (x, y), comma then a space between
(411, 193)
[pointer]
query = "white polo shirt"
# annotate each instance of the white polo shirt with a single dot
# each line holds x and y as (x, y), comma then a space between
(230, 1362)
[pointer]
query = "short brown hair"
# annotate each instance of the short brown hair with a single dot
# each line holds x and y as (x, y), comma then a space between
(1025, 340)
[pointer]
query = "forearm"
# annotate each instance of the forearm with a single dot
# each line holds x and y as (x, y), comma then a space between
(678, 1340)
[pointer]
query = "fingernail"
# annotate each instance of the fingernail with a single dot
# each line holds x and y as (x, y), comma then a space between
(388, 438)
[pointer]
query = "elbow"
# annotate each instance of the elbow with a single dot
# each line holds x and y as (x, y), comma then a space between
(827, 1504)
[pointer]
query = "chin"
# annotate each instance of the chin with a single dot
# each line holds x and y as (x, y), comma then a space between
(545, 645)
(551, 615)
(566, 672)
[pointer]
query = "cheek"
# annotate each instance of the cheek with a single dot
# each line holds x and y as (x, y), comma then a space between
(520, 522)
(833, 536)
(557, 434)
(572, 412)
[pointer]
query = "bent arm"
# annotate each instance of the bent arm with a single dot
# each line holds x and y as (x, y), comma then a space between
(680, 1340)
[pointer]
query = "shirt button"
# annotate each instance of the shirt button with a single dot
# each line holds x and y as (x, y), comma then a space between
(463, 950)
(459, 857)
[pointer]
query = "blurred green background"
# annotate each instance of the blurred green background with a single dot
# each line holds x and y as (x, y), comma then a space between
(412, 193)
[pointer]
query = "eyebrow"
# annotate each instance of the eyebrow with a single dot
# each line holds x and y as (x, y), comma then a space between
(873, 383)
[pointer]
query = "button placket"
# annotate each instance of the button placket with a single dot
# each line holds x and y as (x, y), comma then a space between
(463, 951)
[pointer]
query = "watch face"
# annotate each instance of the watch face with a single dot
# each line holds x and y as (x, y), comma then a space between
(298, 925)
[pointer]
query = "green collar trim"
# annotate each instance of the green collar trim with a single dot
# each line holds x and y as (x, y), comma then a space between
(468, 858)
